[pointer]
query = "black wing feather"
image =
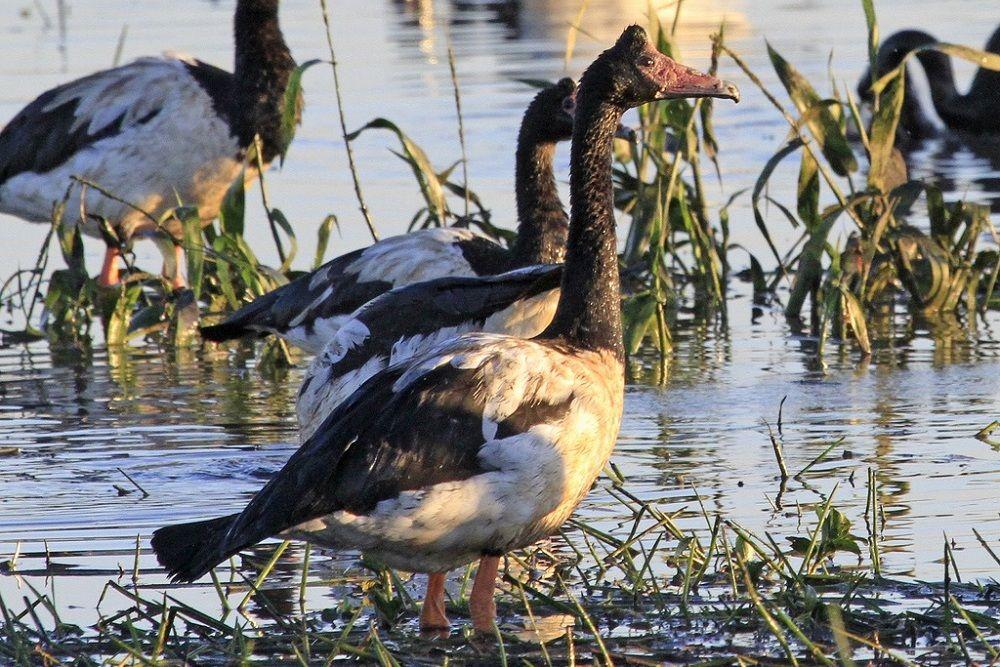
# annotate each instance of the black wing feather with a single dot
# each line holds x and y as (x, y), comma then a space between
(424, 308)
(39, 140)
(276, 310)
(375, 445)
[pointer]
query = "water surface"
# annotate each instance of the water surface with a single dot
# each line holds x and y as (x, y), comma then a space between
(200, 430)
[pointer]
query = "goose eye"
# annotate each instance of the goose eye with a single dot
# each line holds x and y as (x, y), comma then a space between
(645, 61)
(567, 105)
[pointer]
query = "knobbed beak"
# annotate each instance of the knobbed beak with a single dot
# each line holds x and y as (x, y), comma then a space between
(685, 82)
(695, 84)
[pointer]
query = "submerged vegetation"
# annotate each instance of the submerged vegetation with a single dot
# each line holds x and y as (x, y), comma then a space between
(642, 591)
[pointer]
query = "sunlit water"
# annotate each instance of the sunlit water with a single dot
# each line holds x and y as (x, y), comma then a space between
(199, 431)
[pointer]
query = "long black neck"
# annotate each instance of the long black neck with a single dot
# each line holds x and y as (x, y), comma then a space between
(941, 79)
(543, 224)
(589, 310)
(986, 83)
(263, 67)
(912, 118)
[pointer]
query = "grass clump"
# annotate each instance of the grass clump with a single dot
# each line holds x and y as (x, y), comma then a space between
(642, 592)
(940, 272)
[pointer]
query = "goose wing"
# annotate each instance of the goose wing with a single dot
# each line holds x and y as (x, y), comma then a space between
(76, 115)
(429, 308)
(309, 310)
(410, 320)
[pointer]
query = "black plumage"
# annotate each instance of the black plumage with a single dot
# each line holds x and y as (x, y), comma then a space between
(977, 110)
(423, 309)
(301, 301)
(380, 442)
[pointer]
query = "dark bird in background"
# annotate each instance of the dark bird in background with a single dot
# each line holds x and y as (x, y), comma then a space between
(975, 111)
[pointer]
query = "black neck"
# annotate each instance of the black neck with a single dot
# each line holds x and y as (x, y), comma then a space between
(543, 224)
(589, 311)
(912, 118)
(263, 67)
(941, 80)
(985, 86)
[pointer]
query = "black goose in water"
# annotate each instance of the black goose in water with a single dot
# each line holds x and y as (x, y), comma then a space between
(976, 111)
(488, 442)
(310, 310)
(149, 132)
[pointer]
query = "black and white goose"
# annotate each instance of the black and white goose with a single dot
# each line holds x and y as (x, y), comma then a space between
(151, 132)
(309, 310)
(487, 443)
(975, 111)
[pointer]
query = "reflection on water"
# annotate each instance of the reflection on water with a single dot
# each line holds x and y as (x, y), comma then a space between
(550, 20)
(200, 430)
(961, 163)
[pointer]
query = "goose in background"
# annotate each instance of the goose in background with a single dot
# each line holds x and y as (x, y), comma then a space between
(488, 442)
(155, 131)
(309, 310)
(412, 319)
(976, 111)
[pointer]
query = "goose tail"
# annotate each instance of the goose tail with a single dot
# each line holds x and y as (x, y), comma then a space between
(189, 550)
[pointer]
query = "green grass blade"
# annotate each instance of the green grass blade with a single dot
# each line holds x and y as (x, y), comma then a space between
(820, 120)
(291, 107)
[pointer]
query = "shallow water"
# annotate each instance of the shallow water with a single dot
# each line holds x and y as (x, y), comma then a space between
(200, 430)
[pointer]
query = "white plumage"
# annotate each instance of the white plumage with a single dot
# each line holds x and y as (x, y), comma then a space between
(411, 258)
(170, 148)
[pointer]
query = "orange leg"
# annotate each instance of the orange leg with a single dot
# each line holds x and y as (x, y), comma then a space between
(109, 270)
(432, 616)
(482, 608)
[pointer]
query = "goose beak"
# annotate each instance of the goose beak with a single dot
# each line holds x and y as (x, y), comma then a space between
(685, 82)
(694, 84)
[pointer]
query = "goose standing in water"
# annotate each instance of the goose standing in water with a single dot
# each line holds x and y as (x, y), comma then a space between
(310, 310)
(976, 111)
(488, 442)
(150, 133)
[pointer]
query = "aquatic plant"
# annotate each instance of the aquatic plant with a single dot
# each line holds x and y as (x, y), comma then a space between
(643, 592)
(942, 272)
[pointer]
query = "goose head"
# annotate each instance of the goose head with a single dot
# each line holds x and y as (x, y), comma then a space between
(641, 74)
